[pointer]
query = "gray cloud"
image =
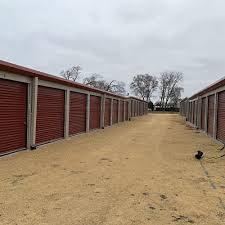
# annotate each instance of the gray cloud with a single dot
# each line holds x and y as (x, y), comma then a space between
(117, 38)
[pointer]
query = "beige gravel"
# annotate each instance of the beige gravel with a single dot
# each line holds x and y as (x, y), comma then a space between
(135, 173)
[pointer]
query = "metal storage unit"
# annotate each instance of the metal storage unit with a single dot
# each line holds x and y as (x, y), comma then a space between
(107, 114)
(77, 118)
(121, 111)
(221, 117)
(210, 115)
(115, 111)
(95, 112)
(13, 116)
(50, 114)
(203, 111)
(126, 111)
(36, 108)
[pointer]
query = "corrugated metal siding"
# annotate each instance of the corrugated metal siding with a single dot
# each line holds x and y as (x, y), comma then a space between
(203, 114)
(13, 115)
(107, 112)
(78, 106)
(126, 110)
(115, 111)
(121, 111)
(210, 114)
(95, 112)
(50, 114)
(221, 117)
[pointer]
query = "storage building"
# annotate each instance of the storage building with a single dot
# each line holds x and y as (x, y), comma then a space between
(37, 108)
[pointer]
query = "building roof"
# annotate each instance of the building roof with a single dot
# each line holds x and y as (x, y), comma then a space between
(16, 69)
(212, 87)
(136, 98)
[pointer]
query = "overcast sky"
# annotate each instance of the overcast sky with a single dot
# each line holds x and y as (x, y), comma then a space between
(117, 38)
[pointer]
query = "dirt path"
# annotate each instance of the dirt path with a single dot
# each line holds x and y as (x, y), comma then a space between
(135, 173)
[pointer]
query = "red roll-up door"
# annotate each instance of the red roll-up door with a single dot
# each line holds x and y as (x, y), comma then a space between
(203, 113)
(50, 114)
(210, 114)
(115, 111)
(121, 111)
(107, 115)
(13, 116)
(78, 105)
(221, 117)
(126, 111)
(95, 112)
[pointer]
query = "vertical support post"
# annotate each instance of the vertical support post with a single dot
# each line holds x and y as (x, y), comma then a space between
(193, 112)
(67, 113)
(118, 110)
(29, 115)
(188, 112)
(111, 112)
(88, 113)
(196, 113)
(200, 113)
(206, 114)
(124, 110)
(102, 121)
(34, 96)
(136, 108)
(129, 109)
(215, 116)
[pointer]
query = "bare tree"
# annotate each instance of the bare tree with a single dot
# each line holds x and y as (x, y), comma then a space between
(97, 81)
(176, 96)
(116, 87)
(144, 85)
(72, 73)
(169, 86)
